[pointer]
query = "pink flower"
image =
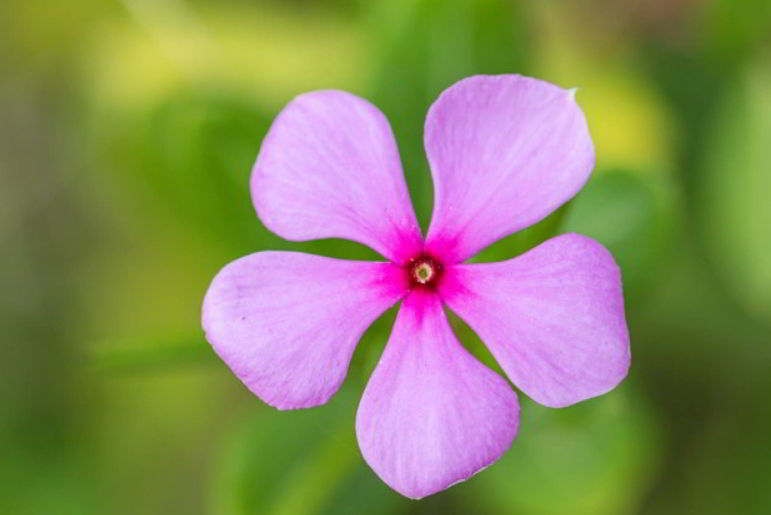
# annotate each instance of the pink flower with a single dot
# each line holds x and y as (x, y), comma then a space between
(504, 151)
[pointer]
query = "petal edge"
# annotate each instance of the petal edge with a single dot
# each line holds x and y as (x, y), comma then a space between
(432, 415)
(504, 151)
(329, 168)
(287, 323)
(553, 318)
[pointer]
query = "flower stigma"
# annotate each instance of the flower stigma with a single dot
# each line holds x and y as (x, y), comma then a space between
(424, 271)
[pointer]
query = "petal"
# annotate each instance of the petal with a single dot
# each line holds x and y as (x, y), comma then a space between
(432, 415)
(505, 151)
(329, 168)
(553, 317)
(287, 323)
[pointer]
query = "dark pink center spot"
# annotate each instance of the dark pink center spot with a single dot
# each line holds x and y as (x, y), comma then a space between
(424, 271)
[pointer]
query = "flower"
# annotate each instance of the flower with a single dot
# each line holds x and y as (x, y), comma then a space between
(504, 152)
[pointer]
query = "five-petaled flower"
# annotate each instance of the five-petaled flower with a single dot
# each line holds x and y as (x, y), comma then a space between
(504, 152)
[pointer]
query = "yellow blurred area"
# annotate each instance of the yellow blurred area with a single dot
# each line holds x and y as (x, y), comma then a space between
(629, 122)
(269, 54)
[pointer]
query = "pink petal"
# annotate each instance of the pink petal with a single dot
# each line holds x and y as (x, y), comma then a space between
(432, 415)
(287, 323)
(505, 151)
(552, 317)
(329, 168)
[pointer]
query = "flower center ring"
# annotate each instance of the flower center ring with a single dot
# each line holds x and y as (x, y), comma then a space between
(424, 271)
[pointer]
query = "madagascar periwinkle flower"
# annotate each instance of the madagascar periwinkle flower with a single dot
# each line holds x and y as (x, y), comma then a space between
(504, 152)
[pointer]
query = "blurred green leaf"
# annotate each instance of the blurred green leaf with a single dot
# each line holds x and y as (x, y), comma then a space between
(735, 29)
(300, 462)
(57, 487)
(731, 476)
(633, 215)
(594, 458)
(735, 203)
(521, 241)
(363, 492)
(472, 342)
(144, 354)
(195, 151)
(268, 455)
(370, 348)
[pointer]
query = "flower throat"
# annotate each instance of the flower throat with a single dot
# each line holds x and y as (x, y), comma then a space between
(423, 271)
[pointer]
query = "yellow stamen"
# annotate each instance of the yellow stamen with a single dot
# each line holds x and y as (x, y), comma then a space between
(423, 273)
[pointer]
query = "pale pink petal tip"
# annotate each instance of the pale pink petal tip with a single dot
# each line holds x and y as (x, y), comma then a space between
(505, 151)
(329, 168)
(552, 317)
(287, 323)
(432, 415)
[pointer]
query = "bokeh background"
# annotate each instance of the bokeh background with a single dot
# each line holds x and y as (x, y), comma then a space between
(127, 133)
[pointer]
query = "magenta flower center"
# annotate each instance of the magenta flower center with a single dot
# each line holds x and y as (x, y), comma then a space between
(423, 271)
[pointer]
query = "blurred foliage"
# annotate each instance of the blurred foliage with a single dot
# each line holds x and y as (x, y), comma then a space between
(127, 133)
(320, 470)
(630, 124)
(737, 30)
(195, 151)
(634, 216)
(735, 202)
(613, 441)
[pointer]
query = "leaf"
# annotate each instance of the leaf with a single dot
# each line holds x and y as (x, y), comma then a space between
(594, 458)
(300, 463)
(146, 354)
(734, 29)
(735, 204)
(195, 151)
(633, 215)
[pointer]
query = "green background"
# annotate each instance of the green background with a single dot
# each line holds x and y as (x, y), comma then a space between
(127, 133)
